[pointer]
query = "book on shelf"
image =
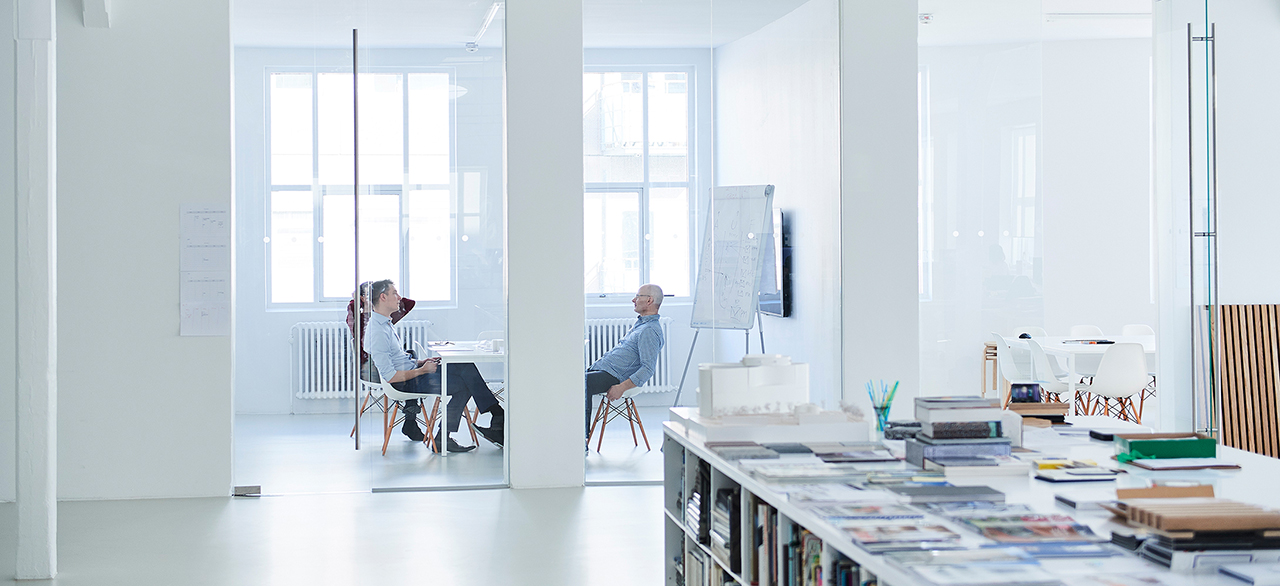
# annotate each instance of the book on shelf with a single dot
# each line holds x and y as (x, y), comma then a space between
(961, 429)
(918, 451)
(1034, 528)
(939, 494)
(885, 537)
(1256, 574)
(956, 414)
(725, 528)
(878, 511)
(810, 560)
(1204, 561)
(979, 466)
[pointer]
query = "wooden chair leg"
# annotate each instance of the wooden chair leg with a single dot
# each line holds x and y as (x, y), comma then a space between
(430, 436)
(605, 404)
(387, 425)
(363, 405)
(626, 405)
(595, 420)
(636, 411)
(471, 424)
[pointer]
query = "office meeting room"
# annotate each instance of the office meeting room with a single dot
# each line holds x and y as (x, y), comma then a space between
(683, 292)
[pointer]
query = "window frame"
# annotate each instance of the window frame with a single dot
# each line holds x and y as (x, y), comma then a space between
(646, 185)
(318, 190)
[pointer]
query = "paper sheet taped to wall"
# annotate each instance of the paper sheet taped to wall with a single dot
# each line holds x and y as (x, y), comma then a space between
(204, 264)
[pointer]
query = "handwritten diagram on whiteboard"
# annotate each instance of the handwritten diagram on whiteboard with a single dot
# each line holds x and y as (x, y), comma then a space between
(738, 226)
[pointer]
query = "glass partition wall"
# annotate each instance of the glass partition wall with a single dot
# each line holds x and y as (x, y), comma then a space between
(1035, 200)
(680, 102)
(426, 212)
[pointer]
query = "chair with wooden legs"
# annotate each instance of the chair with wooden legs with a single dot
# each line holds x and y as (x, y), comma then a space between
(624, 407)
(391, 418)
(1122, 373)
(373, 397)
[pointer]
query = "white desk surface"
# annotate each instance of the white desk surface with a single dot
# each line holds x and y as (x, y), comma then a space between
(1058, 345)
(456, 352)
(1257, 482)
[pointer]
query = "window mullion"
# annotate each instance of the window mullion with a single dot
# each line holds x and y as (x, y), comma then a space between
(644, 189)
(317, 195)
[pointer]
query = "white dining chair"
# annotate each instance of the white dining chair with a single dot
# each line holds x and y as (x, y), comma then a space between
(1086, 331)
(1051, 383)
(1033, 331)
(1137, 330)
(1012, 371)
(1121, 374)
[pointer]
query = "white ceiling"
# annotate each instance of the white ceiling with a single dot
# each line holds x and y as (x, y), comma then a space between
(452, 23)
(664, 23)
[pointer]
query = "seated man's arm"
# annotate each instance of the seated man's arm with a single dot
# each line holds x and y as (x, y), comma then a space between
(649, 345)
(389, 357)
(428, 366)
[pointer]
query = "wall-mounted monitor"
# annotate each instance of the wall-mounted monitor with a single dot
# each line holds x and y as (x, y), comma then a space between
(775, 283)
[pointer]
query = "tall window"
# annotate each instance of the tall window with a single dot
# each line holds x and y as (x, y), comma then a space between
(406, 153)
(636, 139)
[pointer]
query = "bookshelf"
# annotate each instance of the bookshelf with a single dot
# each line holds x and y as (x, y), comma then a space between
(692, 561)
(798, 544)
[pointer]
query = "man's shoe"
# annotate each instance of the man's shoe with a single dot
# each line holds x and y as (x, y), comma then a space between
(493, 435)
(412, 431)
(454, 447)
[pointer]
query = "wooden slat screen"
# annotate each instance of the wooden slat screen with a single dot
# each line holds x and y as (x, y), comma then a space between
(1249, 375)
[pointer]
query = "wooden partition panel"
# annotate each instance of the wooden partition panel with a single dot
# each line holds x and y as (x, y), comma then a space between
(1249, 376)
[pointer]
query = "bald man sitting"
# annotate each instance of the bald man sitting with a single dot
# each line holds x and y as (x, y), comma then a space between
(635, 359)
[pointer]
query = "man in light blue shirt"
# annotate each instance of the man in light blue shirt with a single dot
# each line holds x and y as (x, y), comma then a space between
(412, 375)
(634, 360)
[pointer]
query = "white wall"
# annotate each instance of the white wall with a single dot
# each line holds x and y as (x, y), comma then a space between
(8, 284)
(144, 119)
(777, 122)
(1096, 164)
(263, 352)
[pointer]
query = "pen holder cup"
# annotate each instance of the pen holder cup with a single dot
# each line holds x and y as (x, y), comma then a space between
(882, 416)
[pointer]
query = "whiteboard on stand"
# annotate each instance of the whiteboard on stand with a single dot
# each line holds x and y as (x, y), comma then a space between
(738, 227)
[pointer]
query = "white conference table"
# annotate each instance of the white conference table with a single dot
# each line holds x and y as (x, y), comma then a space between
(1060, 346)
(451, 352)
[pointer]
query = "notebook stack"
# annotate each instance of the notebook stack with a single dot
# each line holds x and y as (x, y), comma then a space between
(1198, 534)
(960, 432)
(725, 517)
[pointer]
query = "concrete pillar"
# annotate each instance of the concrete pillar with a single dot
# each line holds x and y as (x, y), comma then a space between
(880, 300)
(545, 302)
(35, 85)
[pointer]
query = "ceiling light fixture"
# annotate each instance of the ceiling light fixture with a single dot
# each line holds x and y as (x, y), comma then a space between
(474, 45)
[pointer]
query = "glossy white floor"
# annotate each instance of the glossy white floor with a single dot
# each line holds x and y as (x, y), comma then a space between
(303, 454)
(561, 537)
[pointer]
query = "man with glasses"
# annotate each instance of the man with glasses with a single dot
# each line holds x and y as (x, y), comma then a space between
(414, 375)
(635, 359)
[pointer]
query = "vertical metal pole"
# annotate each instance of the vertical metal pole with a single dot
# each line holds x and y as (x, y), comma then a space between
(1191, 226)
(355, 198)
(760, 323)
(1215, 322)
(685, 372)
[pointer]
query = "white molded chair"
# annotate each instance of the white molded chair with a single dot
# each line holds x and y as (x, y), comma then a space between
(624, 407)
(1121, 374)
(373, 397)
(1086, 331)
(1033, 331)
(1008, 368)
(1150, 390)
(391, 419)
(1051, 383)
(1137, 330)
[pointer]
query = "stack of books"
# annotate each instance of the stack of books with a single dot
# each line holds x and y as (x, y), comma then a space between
(1049, 412)
(1198, 534)
(961, 434)
(725, 516)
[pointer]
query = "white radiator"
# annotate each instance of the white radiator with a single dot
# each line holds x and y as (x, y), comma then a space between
(603, 334)
(322, 356)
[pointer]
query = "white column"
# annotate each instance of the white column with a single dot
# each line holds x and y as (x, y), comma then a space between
(878, 141)
(35, 86)
(545, 303)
